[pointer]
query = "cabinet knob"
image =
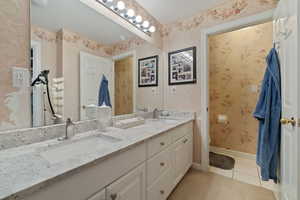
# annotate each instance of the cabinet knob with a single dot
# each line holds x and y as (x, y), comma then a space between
(162, 164)
(113, 196)
(162, 143)
(185, 141)
(162, 192)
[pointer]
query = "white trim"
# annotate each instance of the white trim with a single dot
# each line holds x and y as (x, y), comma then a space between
(38, 117)
(197, 166)
(226, 27)
(124, 55)
(232, 153)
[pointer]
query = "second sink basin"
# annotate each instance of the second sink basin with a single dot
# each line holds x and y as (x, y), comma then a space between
(166, 121)
(72, 149)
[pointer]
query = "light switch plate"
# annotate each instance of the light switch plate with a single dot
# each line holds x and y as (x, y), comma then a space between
(254, 88)
(20, 77)
(173, 89)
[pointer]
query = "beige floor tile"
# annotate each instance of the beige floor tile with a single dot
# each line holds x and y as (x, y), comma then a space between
(197, 185)
(246, 178)
(226, 173)
(269, 185)
(246, 166)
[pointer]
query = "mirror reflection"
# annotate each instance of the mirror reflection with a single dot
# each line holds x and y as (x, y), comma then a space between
(79, 60)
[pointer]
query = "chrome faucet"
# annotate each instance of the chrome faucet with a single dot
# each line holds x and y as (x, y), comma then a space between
(68, 133)
(155, 113)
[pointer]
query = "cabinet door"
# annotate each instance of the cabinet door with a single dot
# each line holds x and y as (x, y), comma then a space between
(188, 142)
(179, 159)
(161, 189)
(130, 187)
(99, 196)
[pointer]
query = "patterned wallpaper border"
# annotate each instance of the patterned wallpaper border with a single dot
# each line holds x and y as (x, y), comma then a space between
(225, 11)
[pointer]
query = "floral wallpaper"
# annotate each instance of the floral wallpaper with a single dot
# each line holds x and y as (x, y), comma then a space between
(38, 33)
(42, 34)
(228, 10)
(126, 45)
(14, 45)
(237, 66)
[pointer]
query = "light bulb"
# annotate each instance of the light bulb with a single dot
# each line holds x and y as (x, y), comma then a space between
(152, 29)
(146, 24)
(138, 19)
(130, 13)
(121, 5)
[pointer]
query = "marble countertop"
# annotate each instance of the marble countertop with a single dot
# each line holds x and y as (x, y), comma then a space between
(25, 169)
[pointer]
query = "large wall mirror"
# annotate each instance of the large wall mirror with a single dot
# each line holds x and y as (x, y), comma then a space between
(72, 50)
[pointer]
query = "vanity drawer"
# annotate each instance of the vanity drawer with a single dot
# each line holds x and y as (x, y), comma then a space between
(158, 165)
(99, 196)
(159, 143)
(161, 189)
(181, 131)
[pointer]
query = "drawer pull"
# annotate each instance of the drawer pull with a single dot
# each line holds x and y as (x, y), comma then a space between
(113, 196)
(185, 141)
(162, 144)
(162, 192)
(162, 164)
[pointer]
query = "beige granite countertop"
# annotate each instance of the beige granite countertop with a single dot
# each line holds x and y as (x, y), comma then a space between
(24, 169)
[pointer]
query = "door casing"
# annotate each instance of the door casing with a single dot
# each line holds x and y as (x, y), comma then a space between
(134, 70)
(222, 28)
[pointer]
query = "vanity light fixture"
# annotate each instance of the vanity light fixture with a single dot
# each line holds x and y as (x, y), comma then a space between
(152, 29)
(130, 13)
(107, 1)
(119, 8)
(146, 24)
(138, 19)
(121, 5)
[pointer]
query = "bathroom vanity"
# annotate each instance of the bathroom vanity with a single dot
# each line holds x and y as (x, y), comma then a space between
(139, 163)
(72, 65)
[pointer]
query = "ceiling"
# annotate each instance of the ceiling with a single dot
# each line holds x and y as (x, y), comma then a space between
(77, 17)
(167, 11)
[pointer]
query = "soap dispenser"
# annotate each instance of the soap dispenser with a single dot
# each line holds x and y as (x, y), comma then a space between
(104, 117)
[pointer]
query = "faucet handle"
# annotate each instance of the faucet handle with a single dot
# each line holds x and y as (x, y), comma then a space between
(69, 121)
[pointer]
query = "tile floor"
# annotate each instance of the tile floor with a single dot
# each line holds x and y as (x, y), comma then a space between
(197, 185)
(246, 171)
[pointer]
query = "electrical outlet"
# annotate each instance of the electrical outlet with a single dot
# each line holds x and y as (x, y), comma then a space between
(20, 77)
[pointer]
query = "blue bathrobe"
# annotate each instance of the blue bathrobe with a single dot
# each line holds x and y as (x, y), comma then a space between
(268, 113)
(103, 96)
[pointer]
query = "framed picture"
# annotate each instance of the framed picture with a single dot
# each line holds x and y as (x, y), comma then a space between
(182, 66)
(148, 72)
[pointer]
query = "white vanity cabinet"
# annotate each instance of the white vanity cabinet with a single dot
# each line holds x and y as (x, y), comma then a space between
(99, 195)
(129, 187)
(182, 156)
(149, 170)
(173, 158)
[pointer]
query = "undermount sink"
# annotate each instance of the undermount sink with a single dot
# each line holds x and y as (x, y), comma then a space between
(169, 121)
(166, 121)
(72, 149)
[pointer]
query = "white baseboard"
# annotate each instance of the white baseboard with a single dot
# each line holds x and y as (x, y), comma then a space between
(198, 166)
(232, 153)
(276, 194)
